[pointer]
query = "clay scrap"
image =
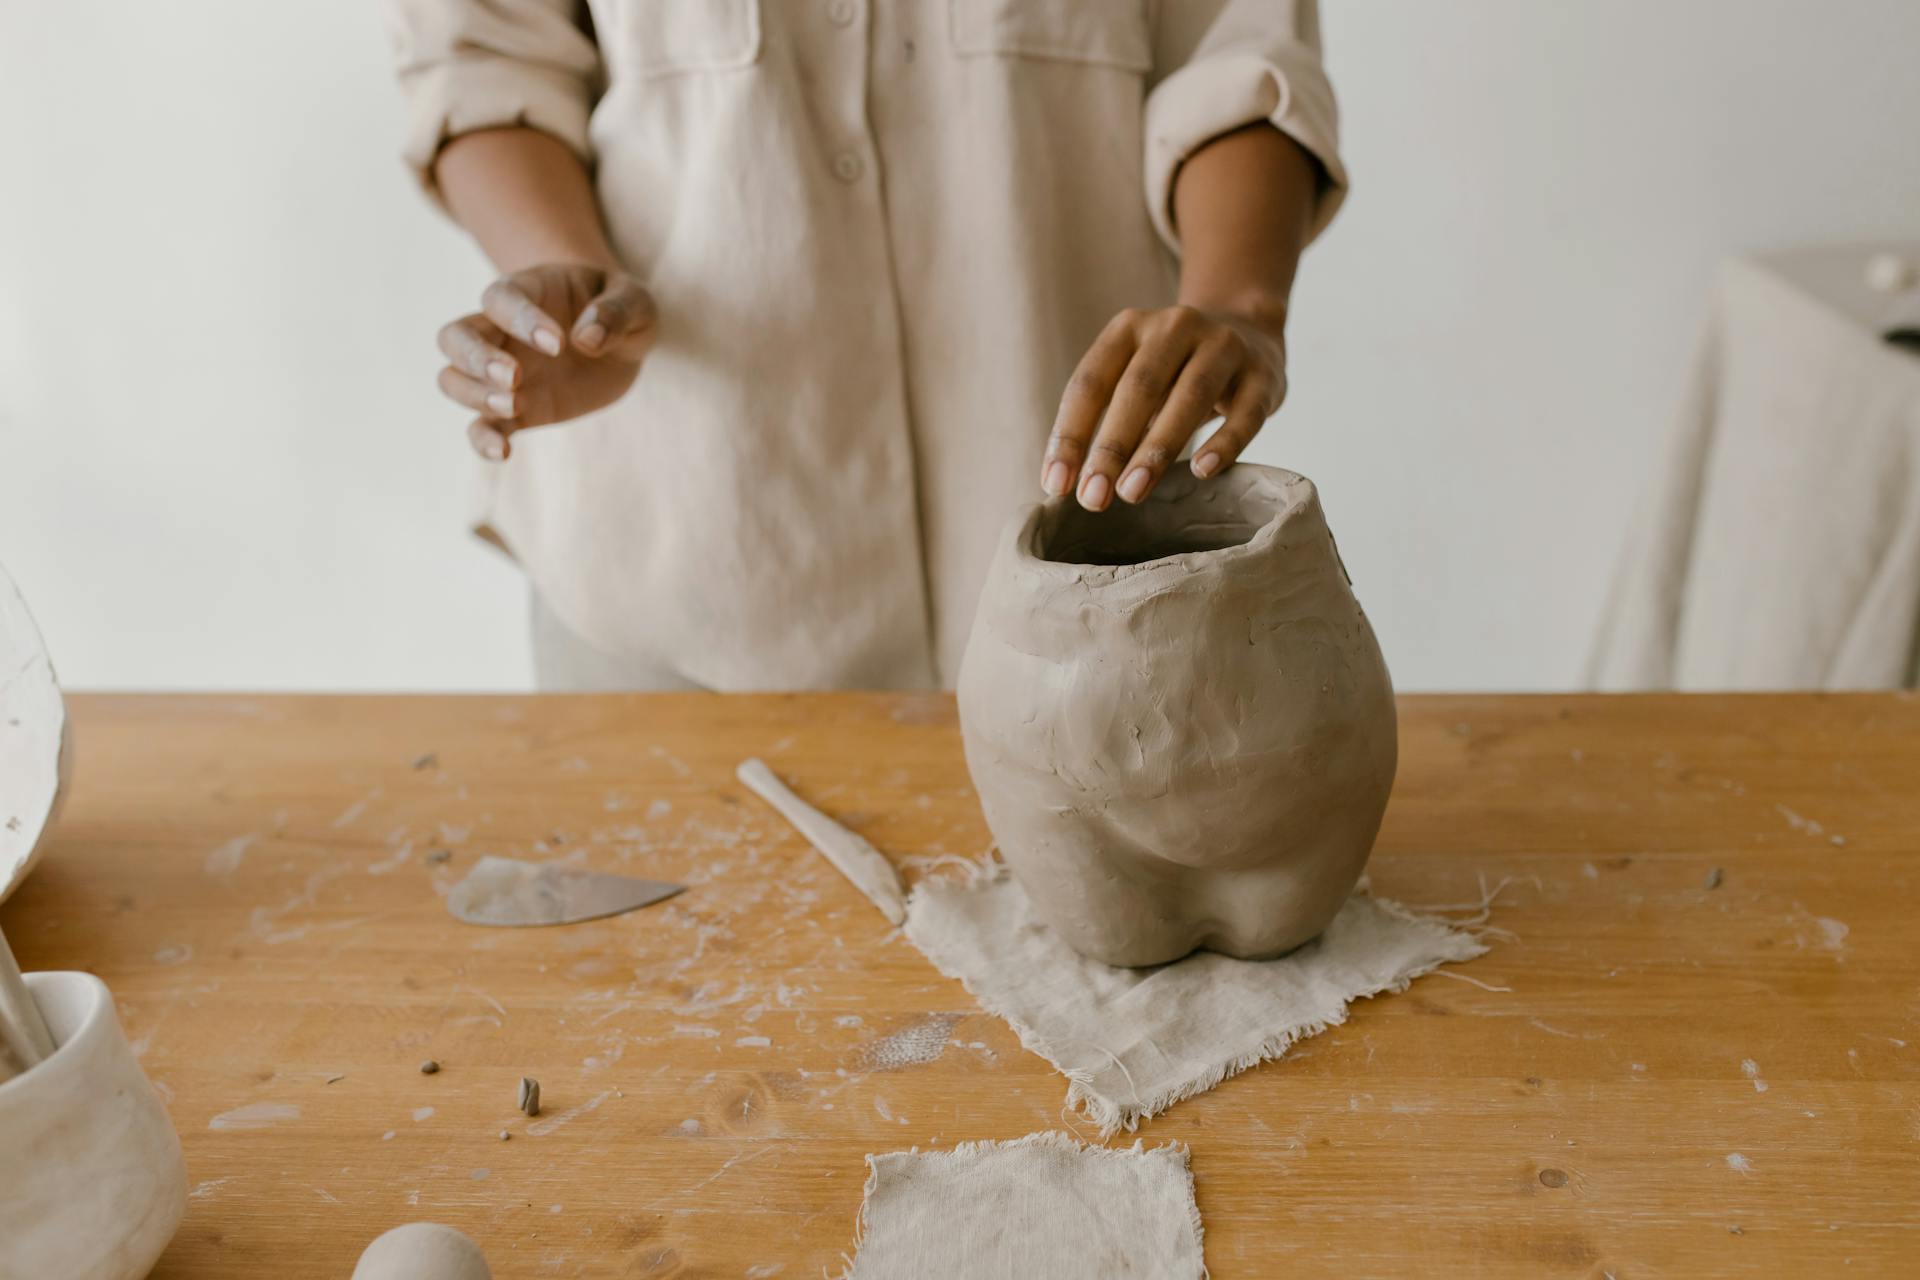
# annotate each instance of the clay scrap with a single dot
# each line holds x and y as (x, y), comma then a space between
(509, 893)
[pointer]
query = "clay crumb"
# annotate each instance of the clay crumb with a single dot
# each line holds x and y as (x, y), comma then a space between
(1735, 1230)
(438, 856)
(1714, 877)
(505, 1136)
(529, 1099)
(427, 761)
(428, 1067)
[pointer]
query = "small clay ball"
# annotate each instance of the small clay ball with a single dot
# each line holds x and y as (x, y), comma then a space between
(422, 1251)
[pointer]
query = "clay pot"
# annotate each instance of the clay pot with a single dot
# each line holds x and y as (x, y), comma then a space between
(1178, 719)
(92, 1185)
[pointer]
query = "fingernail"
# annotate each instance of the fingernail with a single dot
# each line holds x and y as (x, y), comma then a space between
(493, 448)
(1206, 464)
(1058, 477)
(1094, 492)
(501, 372)
(592, 336)
(547, 340)
(1133, 485)
(501, 403)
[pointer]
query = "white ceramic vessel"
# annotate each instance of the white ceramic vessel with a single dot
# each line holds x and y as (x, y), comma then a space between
(92, 1184)
(35, 748)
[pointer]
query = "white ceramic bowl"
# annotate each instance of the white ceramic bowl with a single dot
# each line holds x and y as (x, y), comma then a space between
(92, 1184)
(34, 745)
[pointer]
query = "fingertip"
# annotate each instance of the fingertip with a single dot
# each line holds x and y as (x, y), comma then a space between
(548, 341)
(503, 373)
(1134, 485)
(590, 337)
(487, 442)
(1056, 479)
(1095, 492)
(1205, 464)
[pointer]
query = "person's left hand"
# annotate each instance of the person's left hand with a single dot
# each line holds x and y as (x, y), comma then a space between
(1151, 379)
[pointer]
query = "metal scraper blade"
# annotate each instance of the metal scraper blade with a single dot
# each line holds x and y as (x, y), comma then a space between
(509, 893)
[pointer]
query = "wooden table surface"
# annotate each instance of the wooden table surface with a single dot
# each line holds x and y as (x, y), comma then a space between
(1659, 1076)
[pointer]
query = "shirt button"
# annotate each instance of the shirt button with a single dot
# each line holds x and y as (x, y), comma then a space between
(847, 166)
(842, 12)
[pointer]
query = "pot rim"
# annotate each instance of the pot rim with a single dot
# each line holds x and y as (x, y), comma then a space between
(1294, 493)
(98, 1000)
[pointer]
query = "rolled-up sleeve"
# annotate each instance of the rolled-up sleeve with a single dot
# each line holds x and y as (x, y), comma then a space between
(466, 65)
(1222, 64)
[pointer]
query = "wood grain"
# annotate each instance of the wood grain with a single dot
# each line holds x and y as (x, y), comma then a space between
(1682, 1080)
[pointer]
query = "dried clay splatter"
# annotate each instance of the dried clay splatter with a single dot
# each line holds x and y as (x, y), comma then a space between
(258, 1115)
(913, 1045)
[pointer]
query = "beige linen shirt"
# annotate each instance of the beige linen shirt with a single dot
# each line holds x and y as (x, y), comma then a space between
(880, 233)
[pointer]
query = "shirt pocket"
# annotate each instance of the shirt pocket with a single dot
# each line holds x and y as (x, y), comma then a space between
(685, 37)
(1101, 33)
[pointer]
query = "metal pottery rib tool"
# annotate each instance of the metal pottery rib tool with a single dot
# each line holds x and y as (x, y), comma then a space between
(507, 892)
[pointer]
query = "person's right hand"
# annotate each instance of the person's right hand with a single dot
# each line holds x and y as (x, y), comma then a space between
(549, 343)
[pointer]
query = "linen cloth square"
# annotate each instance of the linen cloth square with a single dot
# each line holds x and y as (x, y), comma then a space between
(1132, 1042)
(1043, 1205)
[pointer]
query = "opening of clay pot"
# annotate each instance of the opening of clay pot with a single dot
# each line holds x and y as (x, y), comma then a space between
(71, 1003)
(1182, 517)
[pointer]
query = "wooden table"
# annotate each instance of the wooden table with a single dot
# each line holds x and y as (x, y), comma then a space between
(1699, 1051)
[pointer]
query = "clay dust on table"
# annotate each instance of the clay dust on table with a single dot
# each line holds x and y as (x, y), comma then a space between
(917, 1043)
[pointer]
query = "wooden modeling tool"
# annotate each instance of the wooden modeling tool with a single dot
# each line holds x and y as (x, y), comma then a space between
(856, 859)
(21, 1026)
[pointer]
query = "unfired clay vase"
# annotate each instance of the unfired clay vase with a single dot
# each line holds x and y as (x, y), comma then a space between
(1177, 718)
(92, 1184)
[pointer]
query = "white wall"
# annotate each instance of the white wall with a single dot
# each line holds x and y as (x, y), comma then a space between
(222, 462)
(222, 458)
(1493, 333)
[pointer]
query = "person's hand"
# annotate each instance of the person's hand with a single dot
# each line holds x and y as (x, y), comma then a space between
(1151, 379)
(548, 344)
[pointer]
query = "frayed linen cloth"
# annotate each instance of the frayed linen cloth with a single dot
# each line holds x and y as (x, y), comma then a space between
(1042, 1205)
(1132, 1042)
